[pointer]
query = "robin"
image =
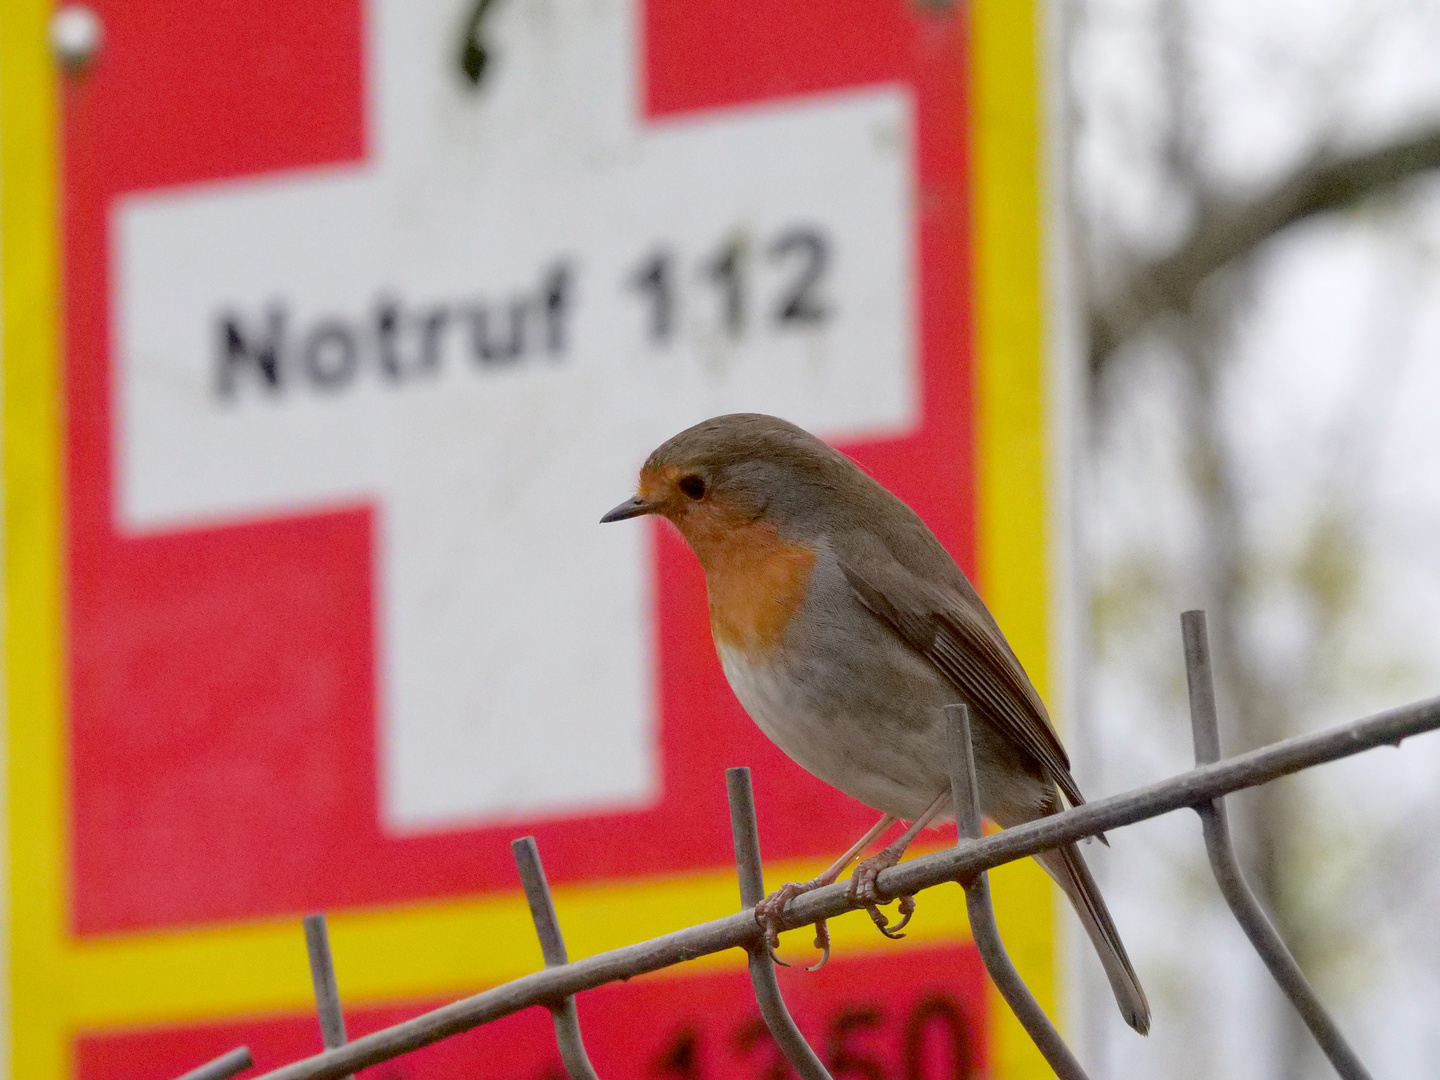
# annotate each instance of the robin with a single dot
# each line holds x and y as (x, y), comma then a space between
(845, 628)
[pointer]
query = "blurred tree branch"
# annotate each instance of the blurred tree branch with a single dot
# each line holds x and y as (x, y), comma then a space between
(1186, 310)
(1227, 230)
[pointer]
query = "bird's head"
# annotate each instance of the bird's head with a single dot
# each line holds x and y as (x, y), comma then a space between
(734, 470)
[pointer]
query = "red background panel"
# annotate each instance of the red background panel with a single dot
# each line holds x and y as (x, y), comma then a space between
(222, 681)
(911, 1014)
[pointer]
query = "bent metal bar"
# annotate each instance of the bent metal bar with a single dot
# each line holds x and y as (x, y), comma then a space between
(1199, 789)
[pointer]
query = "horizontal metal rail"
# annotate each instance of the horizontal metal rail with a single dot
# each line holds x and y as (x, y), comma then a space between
(1197, 787)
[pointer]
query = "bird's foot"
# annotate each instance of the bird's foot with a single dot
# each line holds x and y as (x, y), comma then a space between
(865, 891)
(770, 914)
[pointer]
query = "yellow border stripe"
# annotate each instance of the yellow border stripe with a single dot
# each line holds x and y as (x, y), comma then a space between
(33, 630)
(1013, 501)
(436, 949)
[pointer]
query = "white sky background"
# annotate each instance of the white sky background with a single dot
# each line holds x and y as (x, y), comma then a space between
(1332, 400)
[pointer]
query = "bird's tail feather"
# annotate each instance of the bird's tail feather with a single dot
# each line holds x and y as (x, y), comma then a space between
(1072, 875)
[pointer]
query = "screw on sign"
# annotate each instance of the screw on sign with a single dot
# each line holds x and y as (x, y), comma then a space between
(76, 34)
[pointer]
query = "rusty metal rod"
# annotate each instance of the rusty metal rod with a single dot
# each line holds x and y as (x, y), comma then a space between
(746, 834)
(1226, 867)
(552, 948)
(740, 930)
(222, 1067)
(965, 797)
(322, 976)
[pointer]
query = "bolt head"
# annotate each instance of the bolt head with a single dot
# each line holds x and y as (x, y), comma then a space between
(75, 35)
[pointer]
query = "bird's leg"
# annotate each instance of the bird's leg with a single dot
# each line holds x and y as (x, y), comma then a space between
(863, 882)
(770, 911)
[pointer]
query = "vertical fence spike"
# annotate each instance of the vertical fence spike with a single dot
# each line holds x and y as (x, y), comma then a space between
(552, 948)
(1225, 866)
(762, 966)
(322, 976)
(222, 1067)
(965, 796)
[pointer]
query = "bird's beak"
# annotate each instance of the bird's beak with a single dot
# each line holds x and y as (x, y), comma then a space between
(629, 508)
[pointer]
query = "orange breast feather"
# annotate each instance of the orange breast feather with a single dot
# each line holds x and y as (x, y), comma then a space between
(756, 582)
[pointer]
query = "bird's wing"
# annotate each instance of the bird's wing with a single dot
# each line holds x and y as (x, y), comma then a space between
(952, 629)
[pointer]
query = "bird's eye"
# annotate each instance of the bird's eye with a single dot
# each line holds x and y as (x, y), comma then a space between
(692, 486)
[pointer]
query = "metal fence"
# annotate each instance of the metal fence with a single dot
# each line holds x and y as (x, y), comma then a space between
(1202, 789)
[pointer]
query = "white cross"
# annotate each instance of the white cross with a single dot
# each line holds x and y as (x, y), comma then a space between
(513, 633)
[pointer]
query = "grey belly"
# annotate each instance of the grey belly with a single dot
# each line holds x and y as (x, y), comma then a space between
(853, 705)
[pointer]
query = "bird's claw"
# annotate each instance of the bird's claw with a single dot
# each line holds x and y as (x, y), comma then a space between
(882, 923)
(822, 942)
(865, 892)
(770, 913)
